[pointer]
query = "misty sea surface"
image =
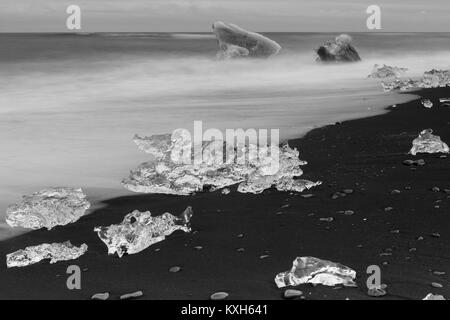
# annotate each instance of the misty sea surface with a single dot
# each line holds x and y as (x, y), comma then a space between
(70, 104)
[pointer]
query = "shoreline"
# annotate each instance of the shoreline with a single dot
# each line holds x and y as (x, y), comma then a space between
(365, 154)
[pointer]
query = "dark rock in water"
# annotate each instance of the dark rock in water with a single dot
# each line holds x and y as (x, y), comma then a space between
(237, 42)
(339, 50)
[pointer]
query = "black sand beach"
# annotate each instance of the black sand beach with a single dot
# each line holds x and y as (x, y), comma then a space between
(365, 155)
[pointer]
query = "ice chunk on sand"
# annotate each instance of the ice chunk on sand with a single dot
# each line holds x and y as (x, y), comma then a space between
(139, 230)
(427, 103)
(48, 208)
(426, 142)
(339, 50)
(54, 251)
(431, 296)
(385, 71)
(316, 271)
(262, 167)
(235, 41)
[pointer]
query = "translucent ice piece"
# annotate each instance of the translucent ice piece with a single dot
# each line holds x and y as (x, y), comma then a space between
(139, 230)
(428, 143)
(316, 271)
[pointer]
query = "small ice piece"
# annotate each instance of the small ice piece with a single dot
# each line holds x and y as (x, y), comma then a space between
(139, 230)
(48, 208)
(385, 71)
(226, 191)
(432, 296)
(426, 142)
(55, 252)
(427, 103)
(316, 271)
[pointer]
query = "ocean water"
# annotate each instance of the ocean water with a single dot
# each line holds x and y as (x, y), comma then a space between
(70, 104)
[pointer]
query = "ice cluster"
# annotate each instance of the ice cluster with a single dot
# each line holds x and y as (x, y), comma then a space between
(430, 79)
(316, 271)
(384, 71)
(221, 165)
(235, 41)
(54, 251)
(426, 142)
(139, 230)
(48, 208)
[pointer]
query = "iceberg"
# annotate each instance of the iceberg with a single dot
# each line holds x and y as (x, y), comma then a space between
(139, 230)
(48, 208)
(339, 50)
(221, 166)
(235, 41)
(316, 271)
(385, 71)
(55, 252)
(426, 142)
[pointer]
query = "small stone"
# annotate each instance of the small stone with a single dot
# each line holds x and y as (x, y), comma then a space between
(127, 296)
(348, 191)
(419, 238)
(435, 189)
(307, 195)
(413, 250)
(291, 294)
(407, 188)
(175, 269)
(387, 209)
(396, 192)
(279, 213)
(219, 296)
(100, 296)
(436, 235)
(240, 250)
(329, 219)
(437, 285)
(335, 196)
(439, 273)
(396, 231)
(240, 235)
(198, 247)
(264, 256)
(349, 212)
(408, 162)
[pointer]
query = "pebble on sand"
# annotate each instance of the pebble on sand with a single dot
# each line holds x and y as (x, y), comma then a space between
(219, 296)
(100, 296)
(127, 296)
(436, 285)
(175, 269)
(291, 294)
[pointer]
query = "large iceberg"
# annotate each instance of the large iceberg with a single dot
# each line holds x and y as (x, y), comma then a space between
(316, 271)
(139, 230)
(54, 251)
(430, 79)
(426, 142)
(48, 208)
(254, 168)
(339, 50)
(235, 41)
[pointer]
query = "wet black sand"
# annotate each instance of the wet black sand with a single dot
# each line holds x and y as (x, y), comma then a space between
(365, 155)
